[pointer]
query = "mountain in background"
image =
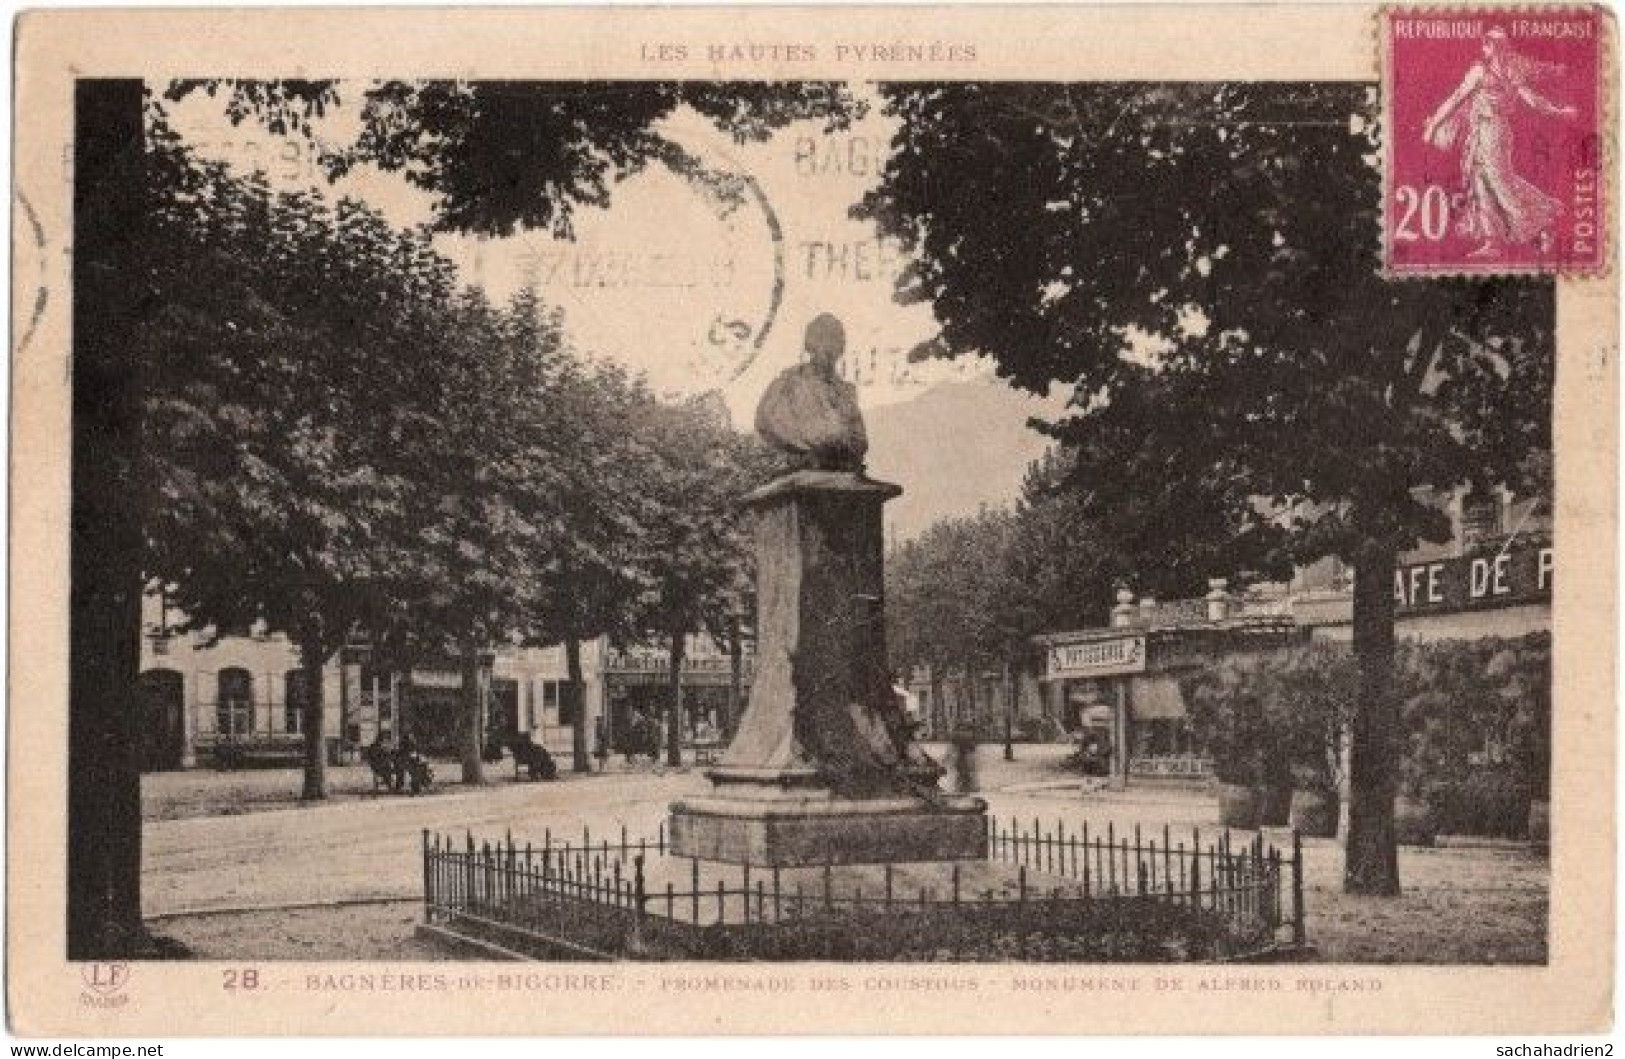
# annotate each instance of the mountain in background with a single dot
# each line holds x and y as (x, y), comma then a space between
(954, 448)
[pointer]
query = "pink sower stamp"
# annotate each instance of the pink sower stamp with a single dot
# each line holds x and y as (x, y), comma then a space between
(1494, 156)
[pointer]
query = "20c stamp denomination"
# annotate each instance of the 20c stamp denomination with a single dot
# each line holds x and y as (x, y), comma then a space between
(1494, 154)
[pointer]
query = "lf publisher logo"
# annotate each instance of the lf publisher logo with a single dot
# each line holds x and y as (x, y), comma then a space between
(106, 982)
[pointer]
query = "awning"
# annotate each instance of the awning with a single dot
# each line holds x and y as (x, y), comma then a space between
(1156, 699)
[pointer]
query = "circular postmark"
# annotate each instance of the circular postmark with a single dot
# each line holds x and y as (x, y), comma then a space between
(39, 254)
(682, 278)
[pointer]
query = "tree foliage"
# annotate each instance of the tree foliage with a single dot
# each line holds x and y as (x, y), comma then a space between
(1200, 263)
(1207, 255)
(506, 156)
(343, 440)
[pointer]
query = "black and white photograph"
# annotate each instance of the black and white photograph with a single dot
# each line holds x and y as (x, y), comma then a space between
(1001, 524)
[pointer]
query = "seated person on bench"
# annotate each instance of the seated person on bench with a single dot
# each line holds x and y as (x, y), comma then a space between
(535, 759)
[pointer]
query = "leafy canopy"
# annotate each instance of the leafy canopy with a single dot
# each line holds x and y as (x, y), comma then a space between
(1199, 262)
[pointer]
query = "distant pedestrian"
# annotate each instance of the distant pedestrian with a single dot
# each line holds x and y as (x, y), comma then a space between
(962, 760)
(405, 751)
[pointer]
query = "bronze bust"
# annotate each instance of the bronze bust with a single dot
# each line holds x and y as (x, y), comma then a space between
(809, 411)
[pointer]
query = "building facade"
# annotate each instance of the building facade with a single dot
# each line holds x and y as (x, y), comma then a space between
(1118, 687)
(231, 699)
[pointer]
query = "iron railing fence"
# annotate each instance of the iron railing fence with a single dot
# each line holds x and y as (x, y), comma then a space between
(621, 895)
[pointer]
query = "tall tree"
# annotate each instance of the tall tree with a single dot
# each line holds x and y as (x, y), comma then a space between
(694, 547)
(279, 411)
(1201, 263)
(940, 594)
(110, 238)
(586, 582)
(484, 505)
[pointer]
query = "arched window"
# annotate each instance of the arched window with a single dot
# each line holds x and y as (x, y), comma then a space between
(295, 693)
(234, 704)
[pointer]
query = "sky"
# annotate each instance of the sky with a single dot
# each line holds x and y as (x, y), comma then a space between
(675, 285)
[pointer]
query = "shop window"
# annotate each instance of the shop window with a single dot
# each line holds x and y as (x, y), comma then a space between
(377, 694)
(552, 702)
(556, 701)
(234, 702)
(295, 693)
(1480, 515)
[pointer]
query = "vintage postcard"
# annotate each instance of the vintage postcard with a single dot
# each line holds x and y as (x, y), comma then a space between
(783, 520)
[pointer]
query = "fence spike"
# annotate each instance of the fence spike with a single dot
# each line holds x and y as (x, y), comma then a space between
(1297, 888)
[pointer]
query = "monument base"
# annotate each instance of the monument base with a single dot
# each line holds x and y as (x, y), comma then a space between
(799, 830)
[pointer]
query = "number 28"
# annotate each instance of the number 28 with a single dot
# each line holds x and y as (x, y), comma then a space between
(246, 978)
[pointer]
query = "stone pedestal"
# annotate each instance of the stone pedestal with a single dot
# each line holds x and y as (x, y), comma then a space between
(821, 769)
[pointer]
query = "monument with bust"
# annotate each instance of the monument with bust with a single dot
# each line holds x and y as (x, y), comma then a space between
(822, 768)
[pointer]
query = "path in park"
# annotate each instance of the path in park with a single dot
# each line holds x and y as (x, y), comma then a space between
(366, 848)
(1483, 904)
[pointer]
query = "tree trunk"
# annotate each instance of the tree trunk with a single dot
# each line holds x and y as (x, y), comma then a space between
(1009, 715)
(104, 783)
(473, 719)
(674, 718)
(736, 677)
(312, 656)
(579, 761)
(1371, 863)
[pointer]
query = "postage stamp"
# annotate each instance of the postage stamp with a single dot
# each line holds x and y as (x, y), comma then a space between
(1494, 156)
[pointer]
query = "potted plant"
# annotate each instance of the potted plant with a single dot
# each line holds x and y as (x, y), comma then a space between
(1415, 821)
(1314, 803)
(1239, 802)
(1275, 785)
(1423, 785)
(1227, 718)
(1319, 686)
